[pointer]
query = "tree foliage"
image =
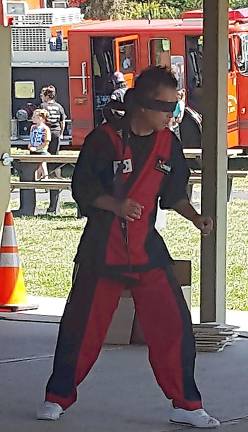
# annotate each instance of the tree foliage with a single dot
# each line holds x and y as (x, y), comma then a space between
(235, 4)
(103, 9)
(136, 9)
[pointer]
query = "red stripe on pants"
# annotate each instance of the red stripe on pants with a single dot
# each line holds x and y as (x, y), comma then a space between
(160, 307)
(163, 316)
(106, 300)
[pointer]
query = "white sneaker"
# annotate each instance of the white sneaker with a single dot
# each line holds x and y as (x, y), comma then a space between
(49, 411)
(198, 418)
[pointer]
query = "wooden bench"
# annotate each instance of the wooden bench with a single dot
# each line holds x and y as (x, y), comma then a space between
(44, 184)
(125, 328)
(196, 153)
(196, 176)
(26, 165)
(37, 159)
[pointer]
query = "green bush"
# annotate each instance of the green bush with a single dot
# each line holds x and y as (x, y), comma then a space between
(137, 9)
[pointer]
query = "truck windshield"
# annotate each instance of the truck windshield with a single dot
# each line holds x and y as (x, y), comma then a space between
(242, 54)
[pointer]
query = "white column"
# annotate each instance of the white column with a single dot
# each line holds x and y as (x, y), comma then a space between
(5, 97)
(214, 179)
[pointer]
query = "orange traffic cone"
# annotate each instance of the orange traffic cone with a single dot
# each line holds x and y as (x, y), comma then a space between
(13, 295)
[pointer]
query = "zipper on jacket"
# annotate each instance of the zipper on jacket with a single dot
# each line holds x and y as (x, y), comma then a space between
(124, 227)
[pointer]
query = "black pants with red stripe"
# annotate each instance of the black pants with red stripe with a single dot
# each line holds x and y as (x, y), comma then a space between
(163, 316)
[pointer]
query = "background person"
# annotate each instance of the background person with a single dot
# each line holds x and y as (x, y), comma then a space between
(178, 113)
(40, 137)
(120, 87)
(56, 123)
(56, 117)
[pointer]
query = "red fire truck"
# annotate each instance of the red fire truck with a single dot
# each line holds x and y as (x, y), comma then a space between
(97, 49)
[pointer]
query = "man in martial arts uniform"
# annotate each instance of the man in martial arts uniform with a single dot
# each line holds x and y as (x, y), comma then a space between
(124, 170)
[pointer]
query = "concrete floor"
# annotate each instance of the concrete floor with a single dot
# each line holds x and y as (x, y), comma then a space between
(51, 308)
(120, 394)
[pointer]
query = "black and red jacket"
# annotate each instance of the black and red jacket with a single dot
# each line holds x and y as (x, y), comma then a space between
(156, 173)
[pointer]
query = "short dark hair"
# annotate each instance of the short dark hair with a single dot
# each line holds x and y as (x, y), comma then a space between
(152, 78)
(49, 91)
(147, 85)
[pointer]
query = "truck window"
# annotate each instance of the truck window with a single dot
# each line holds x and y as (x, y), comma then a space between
(242, 53)
(177, 66)
(24, 90)
(159, 50)
(127, 57)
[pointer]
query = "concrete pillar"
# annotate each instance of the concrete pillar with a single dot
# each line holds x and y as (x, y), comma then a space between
(214, 164)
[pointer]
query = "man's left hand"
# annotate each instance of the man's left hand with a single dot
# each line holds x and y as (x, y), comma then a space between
(204, 224)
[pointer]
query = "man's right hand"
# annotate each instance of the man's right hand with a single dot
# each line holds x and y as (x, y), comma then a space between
(129, 210)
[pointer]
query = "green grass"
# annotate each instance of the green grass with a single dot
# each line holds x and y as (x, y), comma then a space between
(240, 184)
(183, 241)
(48, 244)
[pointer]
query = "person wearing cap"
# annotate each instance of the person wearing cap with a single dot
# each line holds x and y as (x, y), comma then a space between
(126, 168)
(120, 87)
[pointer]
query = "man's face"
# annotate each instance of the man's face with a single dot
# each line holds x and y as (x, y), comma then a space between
(158, 120)
(43, 98)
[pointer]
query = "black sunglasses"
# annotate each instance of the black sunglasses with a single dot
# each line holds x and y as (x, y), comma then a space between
(157, 105)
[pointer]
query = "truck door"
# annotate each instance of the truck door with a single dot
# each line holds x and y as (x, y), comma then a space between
(80, 82)
(126, 57)
(241, 64)
(233, 131)
(5, 73)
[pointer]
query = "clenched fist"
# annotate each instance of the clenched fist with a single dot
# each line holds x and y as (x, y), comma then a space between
(204, 224)
(129, 210)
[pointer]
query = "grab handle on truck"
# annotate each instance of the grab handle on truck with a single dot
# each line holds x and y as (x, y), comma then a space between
(84, 77)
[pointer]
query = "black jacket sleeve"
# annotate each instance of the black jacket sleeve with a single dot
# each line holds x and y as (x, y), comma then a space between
(87, 185)
(175, 184)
